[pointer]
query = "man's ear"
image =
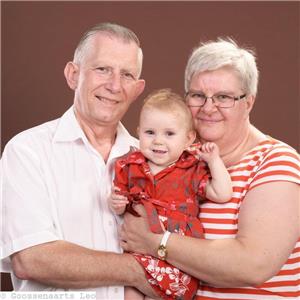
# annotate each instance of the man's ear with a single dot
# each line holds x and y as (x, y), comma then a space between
(71, 72)
(140, 86)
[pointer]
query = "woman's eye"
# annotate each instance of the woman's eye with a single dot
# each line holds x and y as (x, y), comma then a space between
(198, 95)
(223, 97)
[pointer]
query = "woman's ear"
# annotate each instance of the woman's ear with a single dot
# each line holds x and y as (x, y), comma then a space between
(250, 102)
(71, 72)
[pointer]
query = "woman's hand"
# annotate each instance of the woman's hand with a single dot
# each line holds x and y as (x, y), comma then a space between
(136, 236)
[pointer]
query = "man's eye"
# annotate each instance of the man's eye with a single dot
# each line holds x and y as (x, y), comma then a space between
(102, 70)
(128, 75)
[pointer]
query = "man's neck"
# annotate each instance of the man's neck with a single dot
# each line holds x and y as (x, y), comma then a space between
(101, 137)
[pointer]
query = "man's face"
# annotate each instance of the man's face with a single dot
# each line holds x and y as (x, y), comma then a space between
(105, 81)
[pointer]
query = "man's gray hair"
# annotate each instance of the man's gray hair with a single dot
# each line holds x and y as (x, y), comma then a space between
(113, 30)
(213, 55)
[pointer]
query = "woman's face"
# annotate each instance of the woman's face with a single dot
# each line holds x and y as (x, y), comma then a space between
(223, 126)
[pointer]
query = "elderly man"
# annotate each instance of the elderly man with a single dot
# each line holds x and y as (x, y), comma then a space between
(58, 229)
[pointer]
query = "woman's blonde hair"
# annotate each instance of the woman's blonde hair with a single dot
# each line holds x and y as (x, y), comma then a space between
(213, 55)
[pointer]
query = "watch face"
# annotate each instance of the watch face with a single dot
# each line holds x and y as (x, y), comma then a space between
(162, 252)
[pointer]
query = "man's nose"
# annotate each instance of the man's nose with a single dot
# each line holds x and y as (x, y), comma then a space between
(114, 83)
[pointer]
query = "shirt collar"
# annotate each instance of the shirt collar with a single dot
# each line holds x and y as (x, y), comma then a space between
(69, 130)
(123, 143)
(186, 160)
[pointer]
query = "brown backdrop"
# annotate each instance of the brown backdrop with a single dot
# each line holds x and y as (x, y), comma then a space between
(38, 38)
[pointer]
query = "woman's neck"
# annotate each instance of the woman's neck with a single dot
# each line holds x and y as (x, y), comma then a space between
(232, 152)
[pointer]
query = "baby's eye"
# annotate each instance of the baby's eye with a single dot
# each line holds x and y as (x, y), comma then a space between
(170, 133)
(149, 131)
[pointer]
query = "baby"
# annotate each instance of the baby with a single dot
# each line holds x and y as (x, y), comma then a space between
(169, 176)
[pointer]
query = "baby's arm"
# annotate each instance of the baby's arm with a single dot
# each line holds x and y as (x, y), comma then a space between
(219, 188)
(117, 202)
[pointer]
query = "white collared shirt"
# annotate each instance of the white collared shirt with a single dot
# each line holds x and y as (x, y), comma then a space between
(55, 187)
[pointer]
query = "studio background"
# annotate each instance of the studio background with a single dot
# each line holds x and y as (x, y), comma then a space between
(38, 38)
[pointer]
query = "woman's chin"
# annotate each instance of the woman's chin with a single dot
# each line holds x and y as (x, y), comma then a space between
(209, 136)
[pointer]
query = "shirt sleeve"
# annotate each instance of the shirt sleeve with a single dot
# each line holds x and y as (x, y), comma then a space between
(203, 177)
(281, 163)
(26, 208)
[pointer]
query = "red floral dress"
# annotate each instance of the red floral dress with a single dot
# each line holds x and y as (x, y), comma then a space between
(172, 196)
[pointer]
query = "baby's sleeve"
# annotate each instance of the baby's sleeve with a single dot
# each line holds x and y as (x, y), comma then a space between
(121, 175)
(203, 177)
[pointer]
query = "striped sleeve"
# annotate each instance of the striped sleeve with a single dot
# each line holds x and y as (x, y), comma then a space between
(281, 163)
(269, 161)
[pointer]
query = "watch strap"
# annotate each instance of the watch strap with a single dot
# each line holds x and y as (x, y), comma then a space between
(165, 238)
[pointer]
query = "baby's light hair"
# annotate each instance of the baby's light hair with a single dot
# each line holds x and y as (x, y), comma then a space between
(168, 101)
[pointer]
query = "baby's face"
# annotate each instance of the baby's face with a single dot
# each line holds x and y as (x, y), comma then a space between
(163, 136)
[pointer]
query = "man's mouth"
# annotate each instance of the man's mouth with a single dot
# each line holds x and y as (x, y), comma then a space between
(106, 100)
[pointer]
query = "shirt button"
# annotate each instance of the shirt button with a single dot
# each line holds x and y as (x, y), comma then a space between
(116, 290)
(110, 223)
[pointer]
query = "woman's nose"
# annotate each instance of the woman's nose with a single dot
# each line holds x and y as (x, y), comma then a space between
(209, 106)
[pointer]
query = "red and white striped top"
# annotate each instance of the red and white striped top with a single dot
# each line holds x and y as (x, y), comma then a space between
(271, 160)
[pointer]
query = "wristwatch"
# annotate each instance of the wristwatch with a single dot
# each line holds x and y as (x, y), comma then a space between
(162, 249)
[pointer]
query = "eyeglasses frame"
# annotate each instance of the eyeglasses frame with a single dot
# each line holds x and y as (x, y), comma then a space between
(211, 97)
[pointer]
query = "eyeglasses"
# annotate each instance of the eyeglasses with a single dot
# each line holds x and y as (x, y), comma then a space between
(198, 99)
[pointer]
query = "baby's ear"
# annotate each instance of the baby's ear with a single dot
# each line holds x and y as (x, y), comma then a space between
(191, 137)
(138, 131)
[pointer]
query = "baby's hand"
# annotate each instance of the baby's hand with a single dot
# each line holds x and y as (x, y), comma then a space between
(117, 202)
(209, 151)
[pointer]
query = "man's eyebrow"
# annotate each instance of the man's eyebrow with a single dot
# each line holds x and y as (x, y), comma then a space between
(130, 70)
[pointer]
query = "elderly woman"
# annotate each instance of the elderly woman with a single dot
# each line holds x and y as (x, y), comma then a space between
(251, 248)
